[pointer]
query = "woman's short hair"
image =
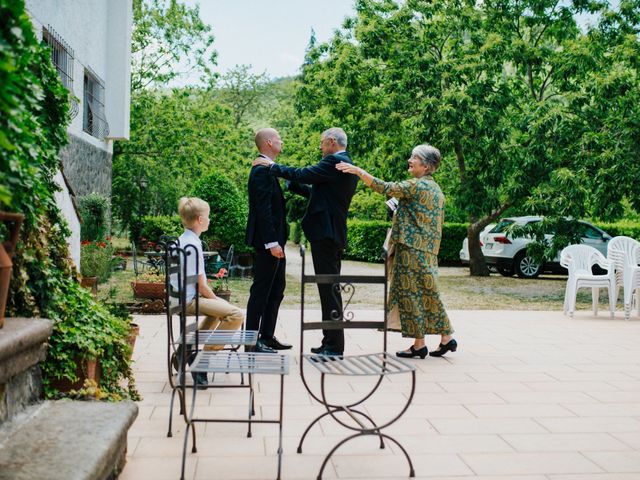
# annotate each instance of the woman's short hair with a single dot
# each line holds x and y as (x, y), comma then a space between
(190, 208)
(429, 155)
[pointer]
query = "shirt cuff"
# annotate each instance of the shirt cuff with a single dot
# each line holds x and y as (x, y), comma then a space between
(271, 245)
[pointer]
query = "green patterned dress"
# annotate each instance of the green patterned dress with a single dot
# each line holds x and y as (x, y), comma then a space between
(416, 233)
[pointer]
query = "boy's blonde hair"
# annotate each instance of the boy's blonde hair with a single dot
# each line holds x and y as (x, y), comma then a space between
(190, 208)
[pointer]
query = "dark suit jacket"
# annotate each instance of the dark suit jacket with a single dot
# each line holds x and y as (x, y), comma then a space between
(329, 192)
(267, 214)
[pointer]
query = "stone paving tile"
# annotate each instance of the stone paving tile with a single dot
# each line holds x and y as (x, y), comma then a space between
(564, 442)
(616, 461)
(485, 425)
(516, 402)
(533, 463)
(441, 466)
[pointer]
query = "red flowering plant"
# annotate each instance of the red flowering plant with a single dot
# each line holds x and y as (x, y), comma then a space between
(220, 281)
(95, 259)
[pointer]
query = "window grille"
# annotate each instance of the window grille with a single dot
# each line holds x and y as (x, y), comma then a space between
(62, 57)
(94, 121)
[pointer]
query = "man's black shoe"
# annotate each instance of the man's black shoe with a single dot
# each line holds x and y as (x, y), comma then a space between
(200, 380)
(317, 350)
(260, 347)
(275, 344)
(327, 352)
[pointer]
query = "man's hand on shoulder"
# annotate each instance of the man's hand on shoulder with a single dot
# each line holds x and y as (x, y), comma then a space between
(262, 162)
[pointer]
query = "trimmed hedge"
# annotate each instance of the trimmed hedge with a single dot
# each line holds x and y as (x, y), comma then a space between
(365, 239)
(627, 229)
(152, 228)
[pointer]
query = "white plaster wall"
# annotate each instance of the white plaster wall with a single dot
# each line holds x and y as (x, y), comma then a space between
(63, 200)
(99, 32)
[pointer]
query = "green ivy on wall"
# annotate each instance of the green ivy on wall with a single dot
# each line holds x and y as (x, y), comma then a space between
(33, 120)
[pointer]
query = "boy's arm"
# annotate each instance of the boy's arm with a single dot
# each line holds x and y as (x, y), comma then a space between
(203, 287)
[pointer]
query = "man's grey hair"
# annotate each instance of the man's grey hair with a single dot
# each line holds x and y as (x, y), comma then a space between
(429, 156)
(337, 134)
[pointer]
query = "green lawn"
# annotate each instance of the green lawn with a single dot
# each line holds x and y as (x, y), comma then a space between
(459, 291)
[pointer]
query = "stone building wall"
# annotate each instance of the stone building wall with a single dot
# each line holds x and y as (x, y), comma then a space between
(87, 167)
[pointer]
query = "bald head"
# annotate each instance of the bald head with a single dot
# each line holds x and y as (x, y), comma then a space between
(269, 142)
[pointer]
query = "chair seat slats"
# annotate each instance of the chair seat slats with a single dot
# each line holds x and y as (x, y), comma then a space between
(240, 362)
(371, 364)
(221, 337)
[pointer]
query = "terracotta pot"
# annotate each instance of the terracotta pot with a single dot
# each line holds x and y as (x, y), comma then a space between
(153, 290)
(6, 252)
(88, 369)
(223, 294)
(91, 283)
(133, 334)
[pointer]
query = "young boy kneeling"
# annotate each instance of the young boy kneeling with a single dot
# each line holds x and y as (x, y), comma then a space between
(218, 313)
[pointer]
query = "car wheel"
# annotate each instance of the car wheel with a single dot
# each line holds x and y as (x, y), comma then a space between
(525, 266)
(505, 272)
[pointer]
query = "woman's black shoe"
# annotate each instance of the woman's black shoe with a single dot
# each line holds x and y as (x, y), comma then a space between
(450, 346)
(412, 352)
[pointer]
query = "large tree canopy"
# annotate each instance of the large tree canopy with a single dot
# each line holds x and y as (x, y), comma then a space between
(530, 112)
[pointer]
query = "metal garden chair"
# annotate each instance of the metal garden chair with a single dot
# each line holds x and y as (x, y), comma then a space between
(190, 339)
(374, 365)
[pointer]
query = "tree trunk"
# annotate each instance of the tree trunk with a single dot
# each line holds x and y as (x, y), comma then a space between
(477, 265)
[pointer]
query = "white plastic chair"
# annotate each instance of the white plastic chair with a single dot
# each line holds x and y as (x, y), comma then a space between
(579, 259)
(624, 252)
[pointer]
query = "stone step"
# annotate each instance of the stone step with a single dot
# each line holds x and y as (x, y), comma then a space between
(66, 440)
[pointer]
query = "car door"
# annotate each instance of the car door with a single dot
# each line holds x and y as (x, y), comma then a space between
(594, 237)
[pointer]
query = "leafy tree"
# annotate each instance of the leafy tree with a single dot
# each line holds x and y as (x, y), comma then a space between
(168, 36)
(242, 91)
(491, 84)
(177, 137)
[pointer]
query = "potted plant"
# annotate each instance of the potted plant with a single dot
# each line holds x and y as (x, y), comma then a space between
(6, 252)
(95, 263)
(149, 285)
(220, 284)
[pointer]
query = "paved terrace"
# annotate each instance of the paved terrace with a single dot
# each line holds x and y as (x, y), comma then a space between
(528, 396)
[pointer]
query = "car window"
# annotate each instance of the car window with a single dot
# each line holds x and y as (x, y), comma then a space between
(588, 231)
(501, 226)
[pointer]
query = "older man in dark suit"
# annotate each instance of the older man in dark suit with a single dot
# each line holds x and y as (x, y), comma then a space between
(267, 233)
(325, 221)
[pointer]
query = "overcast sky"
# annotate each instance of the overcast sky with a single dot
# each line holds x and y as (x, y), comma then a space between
(271, 35)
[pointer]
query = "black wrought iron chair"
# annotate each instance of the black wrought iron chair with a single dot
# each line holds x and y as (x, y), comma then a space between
(378, 364)
(190, 339)
(139, 265)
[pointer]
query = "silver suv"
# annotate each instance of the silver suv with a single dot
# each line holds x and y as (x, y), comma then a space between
(508, 255)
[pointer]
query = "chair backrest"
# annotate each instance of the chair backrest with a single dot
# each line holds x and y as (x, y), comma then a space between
(580, 258)
(229, 258)
(623, 251)
(134, 256)
(176, 283)
(345, 285)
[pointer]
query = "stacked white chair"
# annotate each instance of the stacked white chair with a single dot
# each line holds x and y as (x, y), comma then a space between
(579, 260)
(624, 252)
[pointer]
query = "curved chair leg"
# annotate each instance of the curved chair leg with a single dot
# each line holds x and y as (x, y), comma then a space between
(412, 472)
(595, 299)
(184, 450)
(173, 396)
(331, 412)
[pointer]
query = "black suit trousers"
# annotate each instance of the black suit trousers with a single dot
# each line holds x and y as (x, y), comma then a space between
(327, 259)
(266, 294)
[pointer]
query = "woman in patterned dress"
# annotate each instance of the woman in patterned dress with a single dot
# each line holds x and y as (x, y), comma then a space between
(415, 234)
